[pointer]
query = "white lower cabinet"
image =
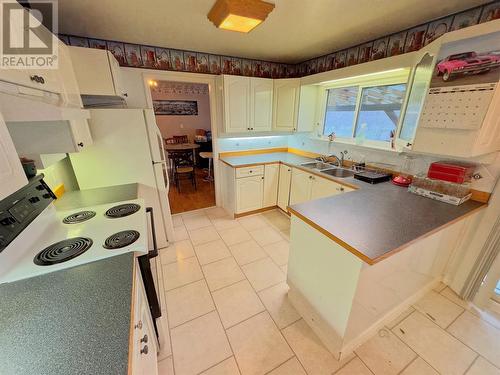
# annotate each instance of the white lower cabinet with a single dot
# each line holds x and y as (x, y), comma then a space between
(306, 186)
(284, 186)
(144, 348)
(249, 193)
(271, 180)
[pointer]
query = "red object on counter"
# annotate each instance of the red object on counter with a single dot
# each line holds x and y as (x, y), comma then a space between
(401, 180)
(451, 171)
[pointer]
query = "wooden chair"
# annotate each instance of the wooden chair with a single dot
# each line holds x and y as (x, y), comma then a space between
(184, 168)
(181, 139)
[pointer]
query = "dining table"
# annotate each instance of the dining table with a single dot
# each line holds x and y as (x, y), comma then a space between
(177, 147)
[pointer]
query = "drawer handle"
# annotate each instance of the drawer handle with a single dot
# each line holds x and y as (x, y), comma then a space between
(145, 339)
(138, 325)
(145, 350)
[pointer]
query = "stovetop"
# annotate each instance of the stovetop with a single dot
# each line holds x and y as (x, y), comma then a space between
(56, 240)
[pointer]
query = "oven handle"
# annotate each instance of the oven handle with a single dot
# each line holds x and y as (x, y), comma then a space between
(152, 253)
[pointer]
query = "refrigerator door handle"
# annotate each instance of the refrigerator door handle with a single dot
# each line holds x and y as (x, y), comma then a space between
(160, 162)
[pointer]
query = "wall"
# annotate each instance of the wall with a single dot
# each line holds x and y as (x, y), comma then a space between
(252, 143)
(180, 125)
(60, 172)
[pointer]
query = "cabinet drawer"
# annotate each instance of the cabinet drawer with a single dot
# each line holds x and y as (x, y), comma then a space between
(257, 170)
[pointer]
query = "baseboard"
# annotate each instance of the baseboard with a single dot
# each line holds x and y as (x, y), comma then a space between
(254, 211)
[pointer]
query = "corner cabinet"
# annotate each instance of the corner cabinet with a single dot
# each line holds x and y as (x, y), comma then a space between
(143, 356)
(286, 104)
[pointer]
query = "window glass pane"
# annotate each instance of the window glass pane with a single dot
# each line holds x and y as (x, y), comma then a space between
(339, 116)
(379, 111)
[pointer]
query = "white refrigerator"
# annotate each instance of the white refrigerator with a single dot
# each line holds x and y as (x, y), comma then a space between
(128, 148)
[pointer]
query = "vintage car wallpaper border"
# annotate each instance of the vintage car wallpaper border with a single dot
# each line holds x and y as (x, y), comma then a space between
(412, 39)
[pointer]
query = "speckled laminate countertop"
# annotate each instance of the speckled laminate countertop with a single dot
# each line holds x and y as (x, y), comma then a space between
(373, 221)
(74, 321)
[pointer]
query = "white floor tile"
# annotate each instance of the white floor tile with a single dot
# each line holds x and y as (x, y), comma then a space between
(438, 308)
(177, 251)
(355, 367)
(441, 350)
(166, 367)
(180, 273)
(311, 353)
(236, 303)
(258, 345)
(266, 236)
(290, 367)
(234, 235)
(439, 287)
(177, 220)
(278, 252)
(263, 273)
(227, 367)
(253, 222)
(479, 335)
(384, 353)
(246, 252)
(203, 235)
(225, 222)
(482, 367)
(196, 222)
(276, 301)
(419, 367)
(400, 317)
(452, 296)
(188, 302)
(199, 345)
(222, 273)
(212, 251)
(215, 212)
(180, 233)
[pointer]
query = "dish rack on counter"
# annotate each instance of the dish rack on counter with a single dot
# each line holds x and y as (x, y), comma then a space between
(439, 190)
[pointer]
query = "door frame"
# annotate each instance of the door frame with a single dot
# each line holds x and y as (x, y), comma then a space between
(215, 116)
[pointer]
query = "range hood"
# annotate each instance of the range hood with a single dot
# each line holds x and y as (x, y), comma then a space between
(19, 103)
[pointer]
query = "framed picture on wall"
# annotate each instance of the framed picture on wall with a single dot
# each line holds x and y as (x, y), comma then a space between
(202, 63)
(379, 49)
(190, 61)
(118, 51)
(177, 59)
(163, 58)
(148, 56)
(133, 54)
(396, 44)
(175, 107)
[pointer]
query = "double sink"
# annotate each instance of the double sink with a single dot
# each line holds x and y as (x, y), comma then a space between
(329, 169)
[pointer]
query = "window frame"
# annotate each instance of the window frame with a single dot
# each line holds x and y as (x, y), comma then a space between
(397, 79)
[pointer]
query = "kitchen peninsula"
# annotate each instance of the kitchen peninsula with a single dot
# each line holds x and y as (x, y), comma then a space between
(363, 253)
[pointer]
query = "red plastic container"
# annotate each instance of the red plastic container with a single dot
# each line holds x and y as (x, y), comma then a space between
(452, 171)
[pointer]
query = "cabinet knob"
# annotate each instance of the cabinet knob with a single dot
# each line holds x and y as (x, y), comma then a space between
(145, 350)
(262, 178)
(80, 144)
(250, 171)
(341, 188)
(145, 339)
(138, 325)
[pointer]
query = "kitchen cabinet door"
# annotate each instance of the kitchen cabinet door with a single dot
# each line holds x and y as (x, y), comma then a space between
(261, 104)
(271, 178)
(12, 176)
(284, 186)
(285, 104)
(322, 187)
(236, 104)
(116, 73)
(249, 193)
(300, 187)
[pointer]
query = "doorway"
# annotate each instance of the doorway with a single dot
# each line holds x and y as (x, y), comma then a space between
(182, 111)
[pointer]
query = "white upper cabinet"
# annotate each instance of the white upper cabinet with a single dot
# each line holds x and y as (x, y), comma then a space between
(308, 100)
(261, 104)
(12, 176)
(97, 72)
(236, 104)
(286, 104)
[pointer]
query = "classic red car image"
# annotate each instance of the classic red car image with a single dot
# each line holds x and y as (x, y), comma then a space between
(466, 63)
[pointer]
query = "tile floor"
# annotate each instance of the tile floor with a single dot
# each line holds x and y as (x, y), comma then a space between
(226, 312)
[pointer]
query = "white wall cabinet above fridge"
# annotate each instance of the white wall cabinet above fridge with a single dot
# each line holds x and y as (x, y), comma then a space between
(104, 76)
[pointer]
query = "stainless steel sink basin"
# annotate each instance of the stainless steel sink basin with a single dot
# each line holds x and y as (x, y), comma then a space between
(338, 172)
(317, 165)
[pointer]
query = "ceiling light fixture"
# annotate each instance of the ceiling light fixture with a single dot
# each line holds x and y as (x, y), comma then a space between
(239, 15)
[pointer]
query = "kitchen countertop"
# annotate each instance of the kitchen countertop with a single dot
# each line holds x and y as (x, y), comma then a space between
(373, 221)
(97, 196)
(74, 321)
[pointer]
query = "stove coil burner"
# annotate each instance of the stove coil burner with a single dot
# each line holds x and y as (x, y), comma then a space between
(79, 217)
(122, 210)
(62, 251)
(121, 239)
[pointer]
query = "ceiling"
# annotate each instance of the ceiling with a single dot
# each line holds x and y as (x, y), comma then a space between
(296, 30)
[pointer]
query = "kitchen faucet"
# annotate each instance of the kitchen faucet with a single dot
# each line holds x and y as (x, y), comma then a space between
(339, 161)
